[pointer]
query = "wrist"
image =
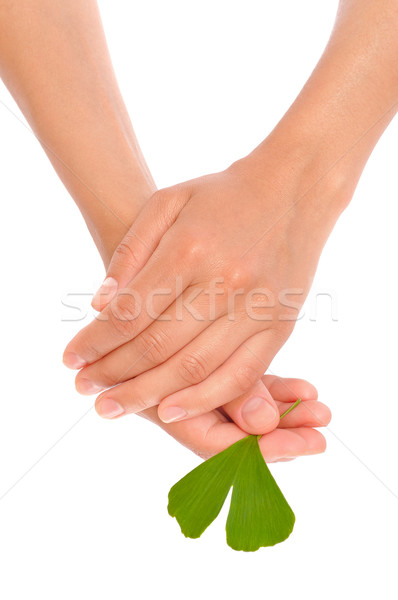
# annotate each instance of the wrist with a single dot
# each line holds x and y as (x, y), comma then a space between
(108, 229)
(320, 147)
(287, 170)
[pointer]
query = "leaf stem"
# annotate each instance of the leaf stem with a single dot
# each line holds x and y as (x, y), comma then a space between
(291, 408)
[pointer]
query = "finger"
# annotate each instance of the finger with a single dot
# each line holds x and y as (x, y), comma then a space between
(234, 377)
(287, 389)
(254, 412)
(309, 413)
(182, 322)
(156, 286)
(192, 364)
(291, 443)
(251, 411)
(204, 435)
(143, 237)
(208, 434)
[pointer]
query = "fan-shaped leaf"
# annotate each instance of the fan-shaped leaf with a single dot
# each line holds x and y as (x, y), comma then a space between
(198, 497)
(259, 514)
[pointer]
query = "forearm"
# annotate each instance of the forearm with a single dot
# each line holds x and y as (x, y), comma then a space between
(331, 129)
(55, 62)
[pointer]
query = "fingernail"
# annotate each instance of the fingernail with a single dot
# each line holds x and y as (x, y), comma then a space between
(73, 361)
(109, 408)
(257, 412)
(85, 386)
(172, 413)
(107, 291)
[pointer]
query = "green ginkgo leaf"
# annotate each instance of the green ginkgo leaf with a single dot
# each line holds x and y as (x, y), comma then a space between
(259, 514)
(197, 498)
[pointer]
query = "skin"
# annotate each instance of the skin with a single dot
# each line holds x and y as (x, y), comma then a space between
(277, 207)
(84, 128)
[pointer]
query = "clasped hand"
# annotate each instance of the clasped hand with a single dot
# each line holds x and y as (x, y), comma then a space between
(200, 295)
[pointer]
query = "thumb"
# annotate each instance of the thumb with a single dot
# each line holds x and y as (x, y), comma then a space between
(139, 243)
(255, 412)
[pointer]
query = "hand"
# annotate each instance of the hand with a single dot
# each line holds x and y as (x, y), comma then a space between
(244, 256)
(212, 432)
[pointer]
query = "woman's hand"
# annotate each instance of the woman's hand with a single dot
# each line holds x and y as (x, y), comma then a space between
(212, 432)
(210, 279)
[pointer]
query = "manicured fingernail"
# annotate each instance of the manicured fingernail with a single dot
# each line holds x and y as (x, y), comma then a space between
(257, 412)
(109, 408)
(85, 386)
(106, 292)
(73, 361)
(172, 413)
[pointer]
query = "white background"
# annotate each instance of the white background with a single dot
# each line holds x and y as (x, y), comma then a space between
(204, 83)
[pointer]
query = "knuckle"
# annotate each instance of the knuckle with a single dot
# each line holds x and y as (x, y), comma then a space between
(165, 206)
(154, 346)
(161, 197)
(193, 369)
(123, 315)
(106, 374)
(89, 349)
(140, 404)
(194, 249)
(125, 255)
(246, 375)
(238, 276)
(207, 402)
(282, 332)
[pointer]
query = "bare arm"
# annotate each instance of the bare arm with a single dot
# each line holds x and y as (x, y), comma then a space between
(55, 62)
